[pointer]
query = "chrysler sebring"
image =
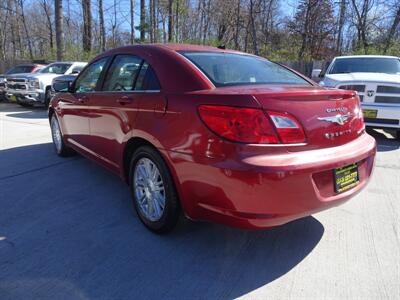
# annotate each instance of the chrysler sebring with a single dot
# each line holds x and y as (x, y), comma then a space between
(214, 135)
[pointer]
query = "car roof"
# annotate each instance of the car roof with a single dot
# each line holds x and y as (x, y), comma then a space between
(172, 48)
(68, 62)
(366, 56)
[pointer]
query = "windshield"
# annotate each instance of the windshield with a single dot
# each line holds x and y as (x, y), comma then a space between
(227, 69)
(20, 69)
(366, 65)
(56, 68)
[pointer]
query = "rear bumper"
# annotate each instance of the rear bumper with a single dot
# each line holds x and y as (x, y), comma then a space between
(269, 190)
(388, 116)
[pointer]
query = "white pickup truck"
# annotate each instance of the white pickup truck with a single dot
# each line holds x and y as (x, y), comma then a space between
(29, 89)
(377, 81)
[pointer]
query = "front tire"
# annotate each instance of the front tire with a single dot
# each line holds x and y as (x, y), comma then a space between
(24, 104)
(58, 138)
(47, 98)
(153, 191)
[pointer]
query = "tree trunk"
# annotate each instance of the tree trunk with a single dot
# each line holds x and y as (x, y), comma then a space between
(253, 28)
(101, 24)
(132, 3)
(142, 20)
(177, 21)
(87, 25)
(28, 38)
(154, 21)
(304, 34)
(341, 25)
(18, 29)
(170, 20)
(59, 29)
(237, 25)
(49, 23)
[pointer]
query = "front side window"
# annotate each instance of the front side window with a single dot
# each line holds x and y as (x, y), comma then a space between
(228, 69)
(366, 65)
(56, 68)
(122, 73)
(87, 81)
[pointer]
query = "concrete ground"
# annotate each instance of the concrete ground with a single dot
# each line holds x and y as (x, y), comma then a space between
(67, 231)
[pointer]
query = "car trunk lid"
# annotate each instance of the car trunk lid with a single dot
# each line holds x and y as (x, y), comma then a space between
(329, 117)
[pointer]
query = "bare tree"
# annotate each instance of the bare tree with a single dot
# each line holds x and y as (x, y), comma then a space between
(27, 35)
(142, 20)
(87, 25)
(170, 20)
(59, 29)
(132, 15)
(253, 27)
(392, 30)
(47, 12)
(361, 10)
(102, 27)
(342, 15)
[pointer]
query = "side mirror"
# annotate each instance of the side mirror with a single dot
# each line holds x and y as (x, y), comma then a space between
(75, 72)
(62, 86)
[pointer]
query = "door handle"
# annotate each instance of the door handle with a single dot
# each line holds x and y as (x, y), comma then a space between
(124, 100)
(83, 99)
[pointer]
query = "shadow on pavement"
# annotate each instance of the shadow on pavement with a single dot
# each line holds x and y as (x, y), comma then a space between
(384, 142)
(32, 113)
(67, 231)
(14, 110)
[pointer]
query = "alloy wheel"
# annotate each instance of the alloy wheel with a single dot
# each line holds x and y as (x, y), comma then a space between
(149, 189)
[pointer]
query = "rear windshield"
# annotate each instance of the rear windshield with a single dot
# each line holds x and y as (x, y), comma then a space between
(366, 65)
(227, 69)
(20, 69)
(56, 68)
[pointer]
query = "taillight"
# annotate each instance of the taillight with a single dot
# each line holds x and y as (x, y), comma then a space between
(289, 129)
(250, 125)
(245, 125)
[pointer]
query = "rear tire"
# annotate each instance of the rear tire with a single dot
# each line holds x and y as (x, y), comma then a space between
(58, 138)
(153, 191)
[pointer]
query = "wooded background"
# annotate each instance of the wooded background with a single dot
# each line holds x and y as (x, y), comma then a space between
(301, 30)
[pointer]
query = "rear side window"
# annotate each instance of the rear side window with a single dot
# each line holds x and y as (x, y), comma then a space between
(20, 69)
(227, 69)
(77, 69)
(122, 73)
(147, 79)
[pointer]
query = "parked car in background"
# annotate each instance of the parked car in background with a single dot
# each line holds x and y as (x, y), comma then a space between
(222, 135)
(30, 89)
(377, 81)
(19, 69)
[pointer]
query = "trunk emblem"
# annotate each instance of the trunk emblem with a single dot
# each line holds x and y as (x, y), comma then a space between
(338, 119)
(370, 93)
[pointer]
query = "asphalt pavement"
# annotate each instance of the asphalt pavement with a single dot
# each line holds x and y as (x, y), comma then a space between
(68, 231)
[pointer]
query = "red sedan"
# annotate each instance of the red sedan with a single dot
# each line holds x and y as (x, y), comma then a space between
(217, 135)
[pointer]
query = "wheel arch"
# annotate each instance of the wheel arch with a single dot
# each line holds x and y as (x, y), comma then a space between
(136, 142)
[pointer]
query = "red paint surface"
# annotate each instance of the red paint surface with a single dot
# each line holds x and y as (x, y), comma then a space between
(244, 185)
